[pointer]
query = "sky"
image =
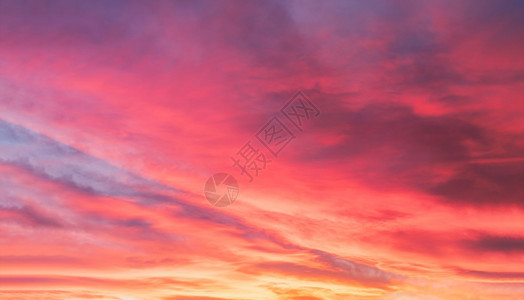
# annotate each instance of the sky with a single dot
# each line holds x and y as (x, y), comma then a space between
(403, 180)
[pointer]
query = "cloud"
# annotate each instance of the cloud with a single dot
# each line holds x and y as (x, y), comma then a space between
(484, 184)
(491, 274)
(61, 163)
(113, 113)
(390, 146)
(362, 273)
(495, 243)
(31, 215)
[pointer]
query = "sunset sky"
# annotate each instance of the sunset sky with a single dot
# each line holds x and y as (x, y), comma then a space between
(408, 183)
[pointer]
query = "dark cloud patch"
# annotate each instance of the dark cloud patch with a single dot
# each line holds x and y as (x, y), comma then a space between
(133, 227)
(499, 77)
(387, 144)
(428, 72)
(424, 59)
(134, 222)
(453, 99)
(501, 20)
(390, 146)
(422, 62)
(421, 138)
(414, 43)
(83, 32)
(266, 34)
(31, 215)
(494, 243)
(484, 184)
(94, 22)
(490, 275)
(450, 244)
